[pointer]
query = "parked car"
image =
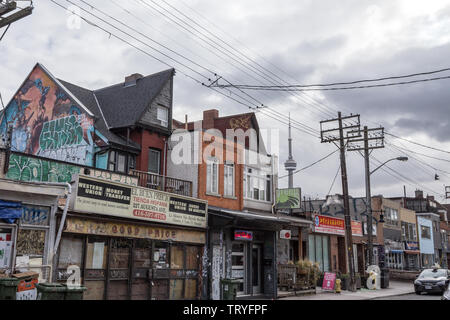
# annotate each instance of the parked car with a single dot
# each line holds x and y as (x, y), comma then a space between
(434, 280)
(446, 295)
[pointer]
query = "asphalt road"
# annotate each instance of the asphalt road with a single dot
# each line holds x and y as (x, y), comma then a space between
(414, 297)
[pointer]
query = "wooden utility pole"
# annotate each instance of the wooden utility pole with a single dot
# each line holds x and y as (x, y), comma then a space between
(351, 129)
(373, 139)
(8, 6)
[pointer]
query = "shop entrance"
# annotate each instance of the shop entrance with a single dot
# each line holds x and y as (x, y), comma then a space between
(256, 268)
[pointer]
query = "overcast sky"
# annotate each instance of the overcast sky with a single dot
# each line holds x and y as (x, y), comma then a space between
(288, 41)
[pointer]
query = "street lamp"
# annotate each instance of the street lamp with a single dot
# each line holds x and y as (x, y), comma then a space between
(369, 204)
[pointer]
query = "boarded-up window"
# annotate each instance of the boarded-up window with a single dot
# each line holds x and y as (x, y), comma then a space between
(160, 290)
(190, 289)
(177, 257)
(192, 257)
(176, 289)
(96, 253)
(71, 252)
(95, 290)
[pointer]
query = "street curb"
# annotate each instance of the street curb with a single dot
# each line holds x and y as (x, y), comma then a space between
(392, 295)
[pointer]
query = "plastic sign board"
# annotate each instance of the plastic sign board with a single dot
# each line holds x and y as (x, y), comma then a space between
(288, 198)
(243, 235)
(332, 225)
(329, 279)
(285, 234)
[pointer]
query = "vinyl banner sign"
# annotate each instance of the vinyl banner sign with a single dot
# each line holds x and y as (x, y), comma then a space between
(332, 225)
(113, 199)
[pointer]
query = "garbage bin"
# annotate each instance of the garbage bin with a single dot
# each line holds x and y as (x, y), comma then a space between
(384, 281)
(229, 289)
(8, 288)
(74, 293)
(50, 291)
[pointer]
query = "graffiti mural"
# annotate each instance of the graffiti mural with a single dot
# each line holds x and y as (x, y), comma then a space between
(38, 170)
(48, 123)
(34, 169)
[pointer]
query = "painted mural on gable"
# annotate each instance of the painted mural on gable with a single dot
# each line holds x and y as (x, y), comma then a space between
(46, 122)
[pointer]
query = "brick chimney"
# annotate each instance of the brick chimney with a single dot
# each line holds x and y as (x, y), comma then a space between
(131, 79)
(208, 118)
(419, 194)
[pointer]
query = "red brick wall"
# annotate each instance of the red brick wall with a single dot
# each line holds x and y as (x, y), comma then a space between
(221, 201)
(148, 140)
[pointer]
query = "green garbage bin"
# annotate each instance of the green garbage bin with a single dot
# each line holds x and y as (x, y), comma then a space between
(229, 289)
(50, 291)
(74, 293)
(8, 288)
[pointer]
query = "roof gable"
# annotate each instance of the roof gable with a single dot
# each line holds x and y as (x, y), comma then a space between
(124, 106)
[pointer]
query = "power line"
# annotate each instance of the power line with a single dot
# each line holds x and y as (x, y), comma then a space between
(334, 180)
(312, 164)
(424, 155)
(274, 88)
(359, 81)
(416, 143)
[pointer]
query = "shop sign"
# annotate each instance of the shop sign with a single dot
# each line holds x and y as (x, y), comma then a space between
(104, 197)
(411, 245)
(285, 234)
(76, 225)
(243, 235)
(329, 279)
(332, 225)
(288, 198)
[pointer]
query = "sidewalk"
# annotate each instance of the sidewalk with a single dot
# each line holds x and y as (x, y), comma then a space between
(396, 288)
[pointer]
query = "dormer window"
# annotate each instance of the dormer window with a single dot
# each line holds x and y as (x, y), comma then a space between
(163, 115)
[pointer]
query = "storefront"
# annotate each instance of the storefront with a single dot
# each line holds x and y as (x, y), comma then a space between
(426, 242)
(412, 255)
(134, 243)
(326, 244)
(242, 247)
(27, 226)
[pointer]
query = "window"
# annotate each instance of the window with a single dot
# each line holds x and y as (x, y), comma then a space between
(318, 251)
(154, 161)
(229, 180)
(118, 161)
(163, 116)
(391, 216)
(212, 181)
(404, 230)
(426, 232)
(257, 185)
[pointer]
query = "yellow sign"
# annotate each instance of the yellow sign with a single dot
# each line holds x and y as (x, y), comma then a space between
(114, 199)
(82, 226)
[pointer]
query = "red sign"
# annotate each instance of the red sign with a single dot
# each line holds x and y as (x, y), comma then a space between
(329, 279)
(332, 225)
(243, 235)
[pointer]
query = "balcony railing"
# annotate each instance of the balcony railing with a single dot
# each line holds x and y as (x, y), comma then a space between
(158, 182)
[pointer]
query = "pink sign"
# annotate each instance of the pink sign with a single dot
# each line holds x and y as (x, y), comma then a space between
(329, 279)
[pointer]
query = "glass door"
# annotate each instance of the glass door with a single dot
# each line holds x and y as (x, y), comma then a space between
(238, 265)
(256, 268)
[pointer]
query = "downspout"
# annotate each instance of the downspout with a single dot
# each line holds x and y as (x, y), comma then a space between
(164, 165)
(63, 219)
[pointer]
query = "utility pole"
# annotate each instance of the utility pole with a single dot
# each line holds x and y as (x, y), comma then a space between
(373, 139)
(7, 6)
(328, 135)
